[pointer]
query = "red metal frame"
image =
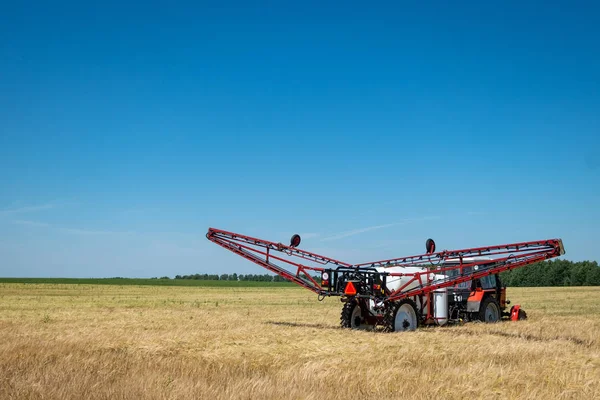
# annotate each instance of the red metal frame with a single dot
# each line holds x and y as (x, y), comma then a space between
(251, 249)
(499, 258)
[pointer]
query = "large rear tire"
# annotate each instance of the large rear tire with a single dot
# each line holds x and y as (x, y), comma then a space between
(402, 316)
(352, 317)
(489, 310)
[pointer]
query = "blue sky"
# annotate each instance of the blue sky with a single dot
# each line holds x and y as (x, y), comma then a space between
(127, 130)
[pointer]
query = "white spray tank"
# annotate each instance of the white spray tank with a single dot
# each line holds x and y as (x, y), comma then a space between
(440, 296)
(394, 283)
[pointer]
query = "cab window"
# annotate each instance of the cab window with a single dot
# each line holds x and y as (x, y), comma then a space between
(488, 282)
(455, 272)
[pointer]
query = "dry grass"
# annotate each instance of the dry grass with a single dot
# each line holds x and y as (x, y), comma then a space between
(124, 342)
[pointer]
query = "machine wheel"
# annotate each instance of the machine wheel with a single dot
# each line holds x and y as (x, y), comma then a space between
(401, 316)
(522, 315)
(489, 311)
(352, 317)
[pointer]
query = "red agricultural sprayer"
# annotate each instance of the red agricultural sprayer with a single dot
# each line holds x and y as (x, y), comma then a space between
(403, 293)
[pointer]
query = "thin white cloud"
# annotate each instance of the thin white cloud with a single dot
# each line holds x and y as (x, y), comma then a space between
(353, 232)
(84, 231)
(60, 229)
(140, 210)
(356, 232)
(30, 223)
(309, 235)
(76, 231)
(71, 231)
(28, 209)
(394, 243)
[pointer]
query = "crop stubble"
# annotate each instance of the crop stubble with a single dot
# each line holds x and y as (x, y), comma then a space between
(127, 342)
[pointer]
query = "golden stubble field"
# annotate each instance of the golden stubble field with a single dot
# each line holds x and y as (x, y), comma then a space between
(132, 342)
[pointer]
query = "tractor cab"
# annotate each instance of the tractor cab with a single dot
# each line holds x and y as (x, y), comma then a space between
(470, 284)
(471, 295)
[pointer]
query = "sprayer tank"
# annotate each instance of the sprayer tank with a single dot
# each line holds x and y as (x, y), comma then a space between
(440, 296)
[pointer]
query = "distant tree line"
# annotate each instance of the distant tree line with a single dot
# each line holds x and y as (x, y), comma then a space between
(546, 273)
(233, 277)
(554, 273)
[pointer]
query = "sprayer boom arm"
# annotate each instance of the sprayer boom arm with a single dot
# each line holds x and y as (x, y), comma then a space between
(260, 252)
(456, 266)
(479, 262)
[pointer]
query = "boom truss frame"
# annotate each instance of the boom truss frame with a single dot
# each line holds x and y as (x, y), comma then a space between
(458, 265)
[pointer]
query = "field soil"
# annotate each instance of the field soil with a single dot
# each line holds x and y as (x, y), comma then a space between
(61, 341)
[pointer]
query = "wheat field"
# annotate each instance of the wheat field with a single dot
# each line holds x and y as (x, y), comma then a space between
(147, 342)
